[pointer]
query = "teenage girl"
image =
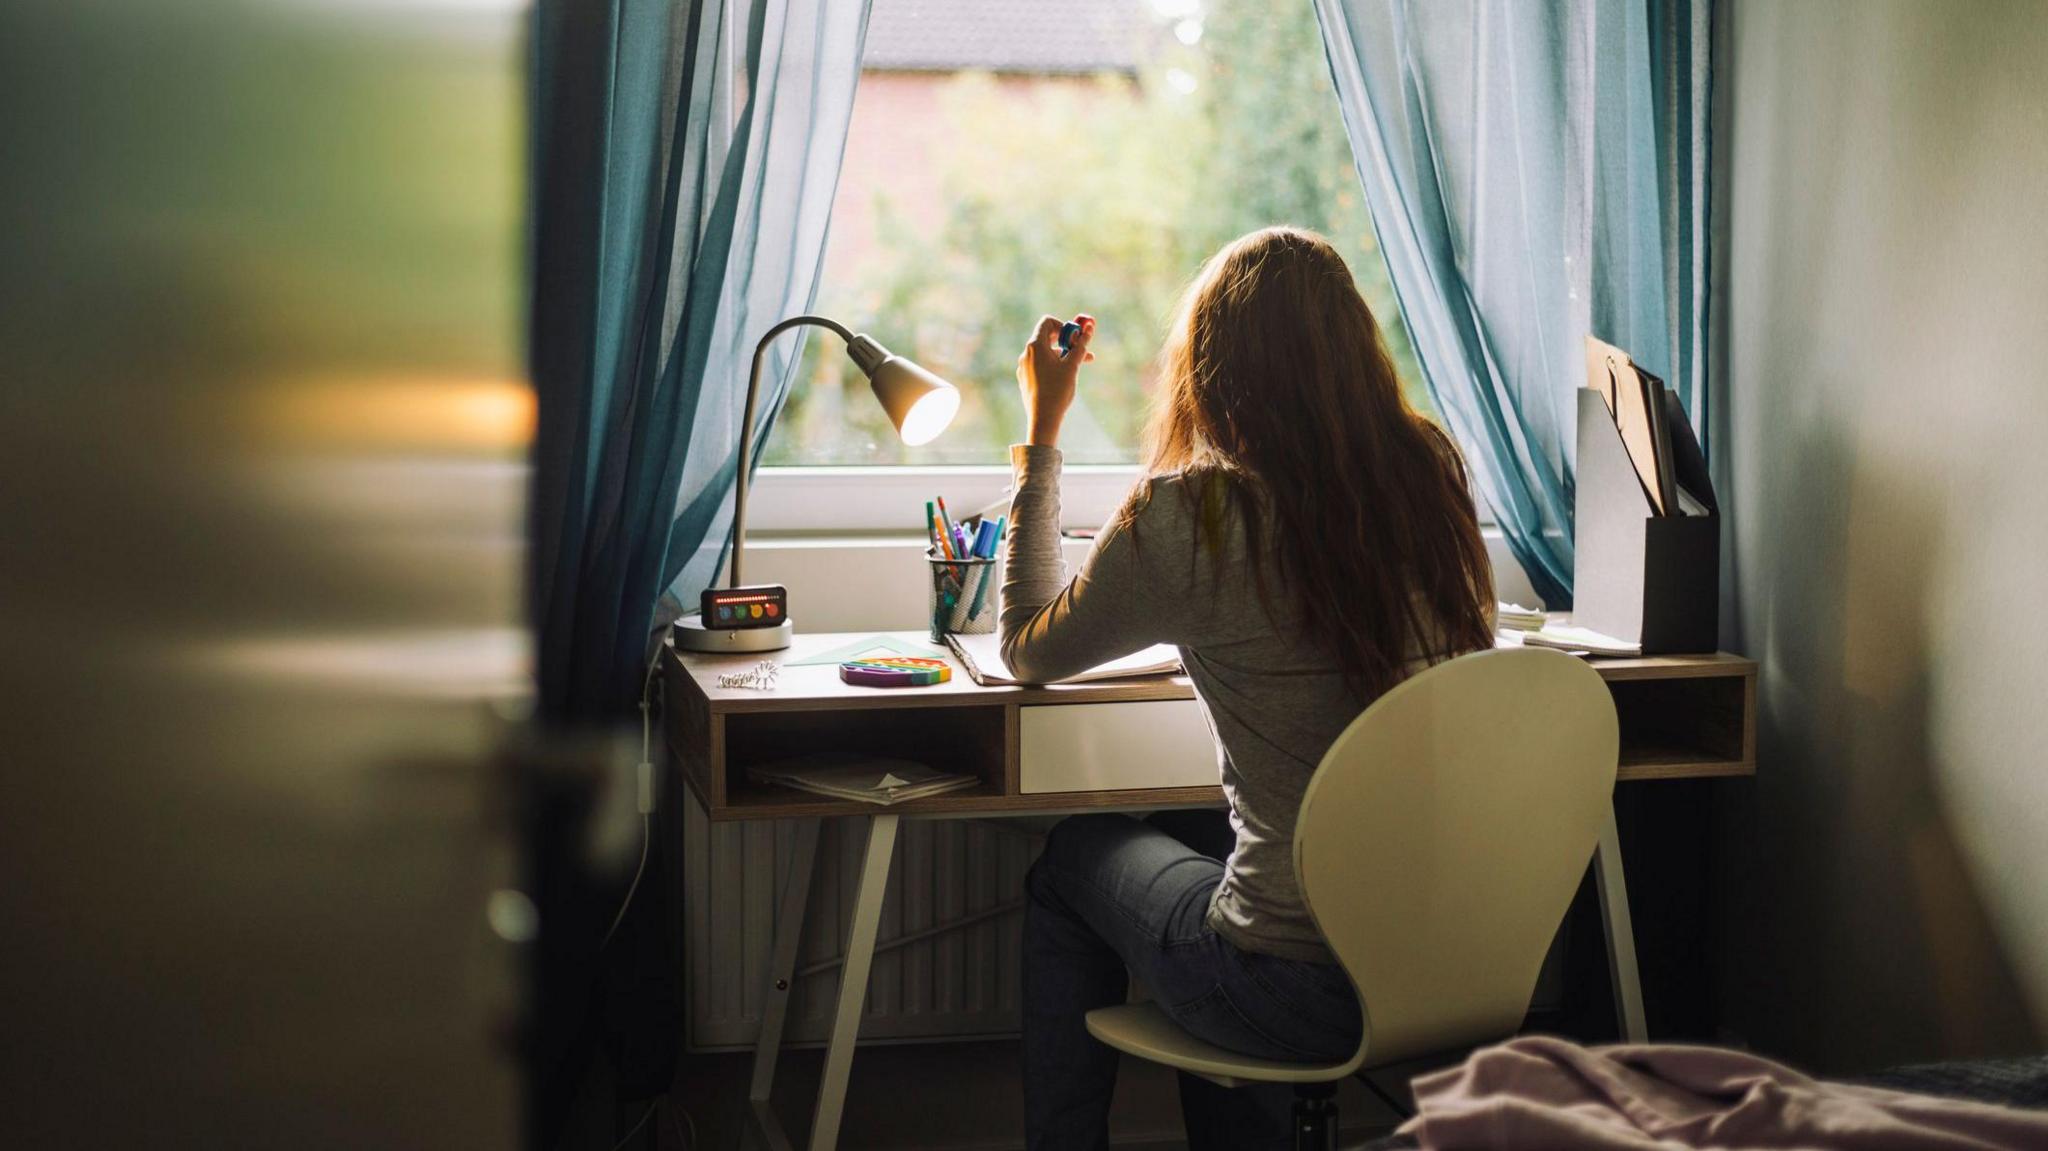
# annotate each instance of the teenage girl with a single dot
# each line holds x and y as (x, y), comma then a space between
(1308, 541)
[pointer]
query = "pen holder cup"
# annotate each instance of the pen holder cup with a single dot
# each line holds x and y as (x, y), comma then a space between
(961, 598)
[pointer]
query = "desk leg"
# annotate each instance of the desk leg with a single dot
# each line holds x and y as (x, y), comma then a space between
(853, 981)
(1621, 937)
(789, 930)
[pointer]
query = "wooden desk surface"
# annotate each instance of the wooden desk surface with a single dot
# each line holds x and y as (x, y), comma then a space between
(1684, 716)
(817, 687)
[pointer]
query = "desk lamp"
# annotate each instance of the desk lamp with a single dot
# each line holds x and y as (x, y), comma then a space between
(919, 403)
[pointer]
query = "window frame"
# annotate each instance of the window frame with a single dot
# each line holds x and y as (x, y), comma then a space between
(848, 499)
(865, 499)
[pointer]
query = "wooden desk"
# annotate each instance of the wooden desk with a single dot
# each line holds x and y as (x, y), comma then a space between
(1681, 717)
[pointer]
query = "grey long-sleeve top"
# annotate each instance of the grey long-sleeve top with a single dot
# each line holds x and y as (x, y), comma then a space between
(1274, 702)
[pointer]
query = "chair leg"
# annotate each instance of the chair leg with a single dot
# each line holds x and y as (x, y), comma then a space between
(1400, 1110)
(1315, 1117)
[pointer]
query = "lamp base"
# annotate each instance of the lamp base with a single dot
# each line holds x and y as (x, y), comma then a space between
(691, 635)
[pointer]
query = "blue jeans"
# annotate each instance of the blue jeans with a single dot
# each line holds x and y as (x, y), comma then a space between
(1113, 895)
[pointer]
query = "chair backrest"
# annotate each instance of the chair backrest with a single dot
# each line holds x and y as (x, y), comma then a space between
(1444, 834)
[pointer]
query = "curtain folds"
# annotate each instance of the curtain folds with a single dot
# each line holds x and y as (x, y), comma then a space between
(669, 232)
(1535, 172)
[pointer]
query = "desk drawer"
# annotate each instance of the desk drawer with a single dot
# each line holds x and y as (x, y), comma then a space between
(1114, 746)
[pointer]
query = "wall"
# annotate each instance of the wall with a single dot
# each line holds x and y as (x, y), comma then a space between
(1883, 172)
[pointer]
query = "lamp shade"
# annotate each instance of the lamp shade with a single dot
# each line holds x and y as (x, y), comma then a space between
(919, 403)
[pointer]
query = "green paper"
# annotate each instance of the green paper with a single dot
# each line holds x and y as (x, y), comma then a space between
(869, 646)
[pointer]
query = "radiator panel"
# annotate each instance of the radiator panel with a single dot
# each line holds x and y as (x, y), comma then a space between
(961, 983)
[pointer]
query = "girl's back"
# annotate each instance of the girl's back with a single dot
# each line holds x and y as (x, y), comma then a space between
(1178, 567)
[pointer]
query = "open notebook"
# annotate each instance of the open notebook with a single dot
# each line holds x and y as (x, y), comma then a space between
(982, 656)
(1566, 638)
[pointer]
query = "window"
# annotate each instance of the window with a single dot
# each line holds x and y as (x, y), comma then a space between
(1008, 159)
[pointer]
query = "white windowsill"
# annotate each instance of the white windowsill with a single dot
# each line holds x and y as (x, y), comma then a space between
(846, 541)
(876, 581)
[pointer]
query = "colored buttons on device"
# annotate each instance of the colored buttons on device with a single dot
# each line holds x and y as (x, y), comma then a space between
(895, 671)
(738, 607)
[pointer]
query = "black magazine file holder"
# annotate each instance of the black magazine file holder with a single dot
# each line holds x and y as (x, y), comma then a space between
(1639, 576)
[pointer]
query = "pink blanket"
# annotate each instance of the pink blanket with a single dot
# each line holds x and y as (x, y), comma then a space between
(1541, 1094)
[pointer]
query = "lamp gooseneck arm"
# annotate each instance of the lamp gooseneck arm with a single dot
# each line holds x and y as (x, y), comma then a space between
(739, 497)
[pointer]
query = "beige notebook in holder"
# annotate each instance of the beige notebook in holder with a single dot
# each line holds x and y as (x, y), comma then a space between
(1635, 399)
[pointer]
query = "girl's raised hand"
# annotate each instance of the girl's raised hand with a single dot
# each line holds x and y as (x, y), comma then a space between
(1047, 380)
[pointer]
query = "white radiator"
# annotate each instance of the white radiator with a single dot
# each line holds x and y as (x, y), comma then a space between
(957, 983)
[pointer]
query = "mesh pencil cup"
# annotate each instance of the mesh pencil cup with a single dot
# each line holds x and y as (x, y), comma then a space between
(962, 596)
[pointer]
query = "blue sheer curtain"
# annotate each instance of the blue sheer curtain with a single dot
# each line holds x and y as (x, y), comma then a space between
(1535, 171)
(669, 232)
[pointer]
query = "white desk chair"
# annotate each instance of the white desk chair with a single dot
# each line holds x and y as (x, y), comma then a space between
(1438, 849)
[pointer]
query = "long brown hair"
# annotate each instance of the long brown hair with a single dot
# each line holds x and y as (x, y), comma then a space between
(1275, 376)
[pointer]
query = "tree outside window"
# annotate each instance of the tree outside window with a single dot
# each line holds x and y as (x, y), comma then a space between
(993, 175)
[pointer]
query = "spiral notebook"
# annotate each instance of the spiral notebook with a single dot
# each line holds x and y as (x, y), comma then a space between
(982, 656)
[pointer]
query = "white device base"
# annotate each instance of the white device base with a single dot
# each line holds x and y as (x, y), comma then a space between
(691, 635)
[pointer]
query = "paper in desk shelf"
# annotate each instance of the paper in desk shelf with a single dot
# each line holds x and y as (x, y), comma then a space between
(865, 778)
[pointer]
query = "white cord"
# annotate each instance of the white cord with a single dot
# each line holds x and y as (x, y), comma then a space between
(646, 804)
(646, 834)
(689, 1142)
(628, 1136)
(646, 726)
(644, 779)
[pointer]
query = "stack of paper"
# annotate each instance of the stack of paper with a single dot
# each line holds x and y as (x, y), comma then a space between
(1579, 641)
(866, 778)
(1515, 617)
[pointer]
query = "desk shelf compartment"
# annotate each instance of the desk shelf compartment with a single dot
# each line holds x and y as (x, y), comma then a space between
(970, 740)
(1693, 727)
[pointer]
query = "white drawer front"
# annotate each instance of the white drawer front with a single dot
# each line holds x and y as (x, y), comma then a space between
(1114, 746)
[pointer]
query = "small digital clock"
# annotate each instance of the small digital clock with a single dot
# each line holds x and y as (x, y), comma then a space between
(742, 607)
